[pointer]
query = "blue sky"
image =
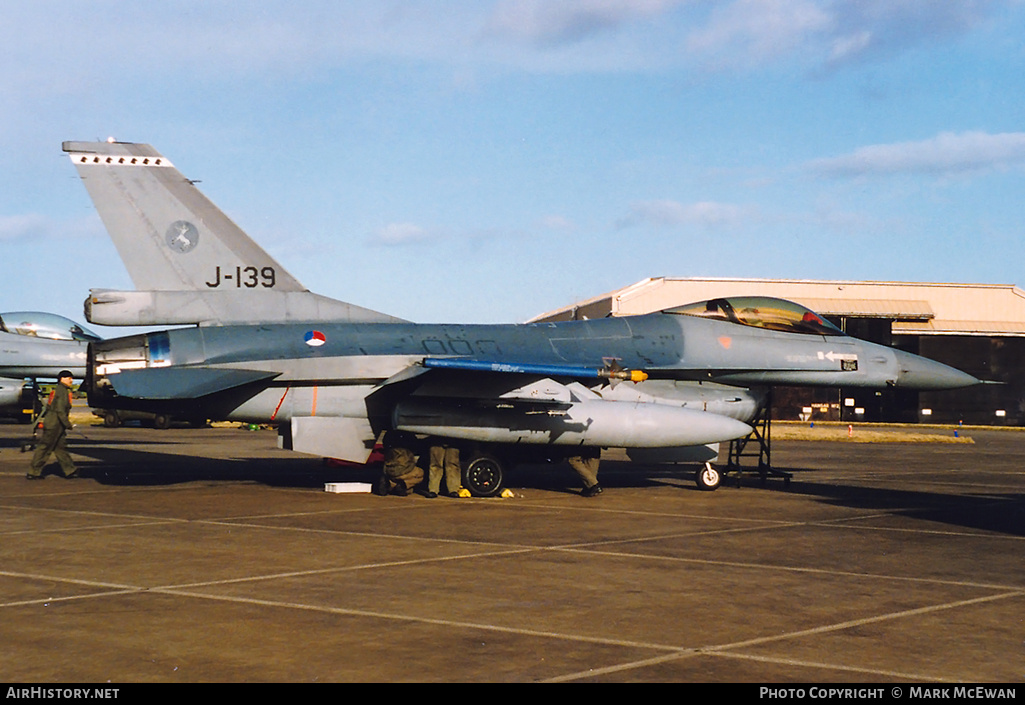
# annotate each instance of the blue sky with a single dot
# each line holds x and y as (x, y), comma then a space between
(485, 161)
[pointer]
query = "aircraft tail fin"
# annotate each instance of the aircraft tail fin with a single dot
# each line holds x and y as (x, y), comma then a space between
(173, 238)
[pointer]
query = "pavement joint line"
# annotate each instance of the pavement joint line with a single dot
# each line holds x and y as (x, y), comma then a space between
(548, 508)
(839, 626)
(84, 512)
(73, 581)
(423, 620)
(621, 667)
(83, 529)
(839, 523)
(520, 550)
(582, 548)
(721, 650)
(363, 534)
(342, 569)
(726, 650)
(692, 653)
(671, 515)
(288, 515)
(836, 667)
(70, 598)
(764, 523)
(679, 535)
(586, 548)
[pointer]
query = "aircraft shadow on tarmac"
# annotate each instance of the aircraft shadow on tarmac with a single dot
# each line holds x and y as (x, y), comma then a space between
(1002, 513)
(112, 464)
(991, 512)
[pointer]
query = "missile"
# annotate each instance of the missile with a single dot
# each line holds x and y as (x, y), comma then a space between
(615, 424)
(611, 371)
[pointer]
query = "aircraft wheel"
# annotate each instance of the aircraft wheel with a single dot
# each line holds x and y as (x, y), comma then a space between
(162, 421)
(483, 476)
(708, 478)
(111, 419)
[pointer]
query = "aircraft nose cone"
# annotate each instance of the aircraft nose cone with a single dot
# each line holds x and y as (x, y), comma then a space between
(916, 372)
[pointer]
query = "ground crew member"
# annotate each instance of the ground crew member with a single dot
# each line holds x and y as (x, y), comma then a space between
(400, 473)
(444, 461)
(586, 467)
(56, 424)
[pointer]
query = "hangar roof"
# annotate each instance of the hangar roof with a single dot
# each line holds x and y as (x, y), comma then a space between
(914, 308)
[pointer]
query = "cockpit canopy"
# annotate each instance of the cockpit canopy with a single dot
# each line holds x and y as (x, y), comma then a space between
(45, 325)
(761, 312)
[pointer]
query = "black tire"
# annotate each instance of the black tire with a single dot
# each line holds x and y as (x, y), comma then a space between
(708, 478)
(111, 419)
(162, 421)
(483, 476)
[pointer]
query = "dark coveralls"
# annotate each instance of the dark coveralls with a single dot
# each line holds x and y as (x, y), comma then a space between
(55, 434)
(400, 472)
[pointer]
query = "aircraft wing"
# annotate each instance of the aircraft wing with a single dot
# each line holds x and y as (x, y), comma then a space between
(551, 404)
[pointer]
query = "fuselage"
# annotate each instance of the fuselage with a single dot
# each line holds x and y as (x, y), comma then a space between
(23, 356)
(329, 368)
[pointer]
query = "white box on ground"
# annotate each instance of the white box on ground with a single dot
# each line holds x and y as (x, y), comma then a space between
(340, 487)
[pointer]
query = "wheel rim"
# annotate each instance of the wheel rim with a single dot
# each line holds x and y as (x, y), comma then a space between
(483, 476)
(710, 477)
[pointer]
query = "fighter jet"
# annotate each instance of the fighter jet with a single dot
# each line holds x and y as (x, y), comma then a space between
(333, 376)
(37, 345)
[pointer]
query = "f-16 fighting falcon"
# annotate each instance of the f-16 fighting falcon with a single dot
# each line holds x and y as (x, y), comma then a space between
(36, 345)
(334, 376)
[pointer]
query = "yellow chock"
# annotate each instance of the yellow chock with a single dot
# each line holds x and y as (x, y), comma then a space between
(463, 492)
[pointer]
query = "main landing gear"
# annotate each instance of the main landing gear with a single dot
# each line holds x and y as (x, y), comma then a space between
(483, 476)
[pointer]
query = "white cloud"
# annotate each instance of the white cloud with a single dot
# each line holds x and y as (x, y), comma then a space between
(672, 214)
(745, 34)
(274, 41)
(36, 227)
(398, 234)
(866, 27)
(751, 31)
(546, 23)
(944, 154)
(557, 222)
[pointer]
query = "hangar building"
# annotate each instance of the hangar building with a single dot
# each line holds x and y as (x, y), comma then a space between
(977, 328)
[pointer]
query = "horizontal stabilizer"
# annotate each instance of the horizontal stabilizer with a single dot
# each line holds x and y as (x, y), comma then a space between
(107, 307)
(182, 382)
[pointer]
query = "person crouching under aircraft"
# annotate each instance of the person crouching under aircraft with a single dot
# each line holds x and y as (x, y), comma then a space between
(400, 473)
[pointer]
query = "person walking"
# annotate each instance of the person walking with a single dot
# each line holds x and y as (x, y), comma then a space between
(56, 424)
